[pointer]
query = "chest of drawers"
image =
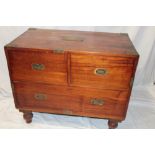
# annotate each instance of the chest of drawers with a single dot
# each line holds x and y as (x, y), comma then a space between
(72, 73)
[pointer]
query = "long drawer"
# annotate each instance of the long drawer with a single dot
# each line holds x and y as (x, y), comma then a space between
(44, 67)
(70, 100)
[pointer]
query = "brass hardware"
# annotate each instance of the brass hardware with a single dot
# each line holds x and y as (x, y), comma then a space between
(72, 38)
(100, 71)
(39, 96)
(58, 51)
(38, 66)
(67, 112)
(12, 86)
(131, 82)
(97, 101)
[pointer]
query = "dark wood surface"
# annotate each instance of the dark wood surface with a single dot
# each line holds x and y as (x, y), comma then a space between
(66, 81)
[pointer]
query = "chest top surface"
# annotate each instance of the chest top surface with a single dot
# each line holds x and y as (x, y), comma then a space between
(75, 41)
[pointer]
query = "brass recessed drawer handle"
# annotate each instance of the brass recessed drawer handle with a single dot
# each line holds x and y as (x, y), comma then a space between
(39, 96)
(97, 102)
(38, 67)
(100, 71)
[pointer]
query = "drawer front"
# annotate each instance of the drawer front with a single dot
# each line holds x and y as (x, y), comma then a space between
(105, 77)
(29, 96)
(103, 107)
(100, 72)
(37, 67)
(71, 100)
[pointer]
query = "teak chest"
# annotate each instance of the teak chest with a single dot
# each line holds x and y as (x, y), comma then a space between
(73, 73)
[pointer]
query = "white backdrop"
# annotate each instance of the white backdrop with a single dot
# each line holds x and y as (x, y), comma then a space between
(141, 113)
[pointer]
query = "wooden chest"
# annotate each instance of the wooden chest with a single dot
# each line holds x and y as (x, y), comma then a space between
(73, 73)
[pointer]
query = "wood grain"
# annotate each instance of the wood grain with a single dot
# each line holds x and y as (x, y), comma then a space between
(105, 43)
(70, 91)
(116, 77)
(73, 100)
(55, 71)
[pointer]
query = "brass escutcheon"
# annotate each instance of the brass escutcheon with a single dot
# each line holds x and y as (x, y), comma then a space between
(39, 96)
(38, 66)
(97, 101)
(100, 71)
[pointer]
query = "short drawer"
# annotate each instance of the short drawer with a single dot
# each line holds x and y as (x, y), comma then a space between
(103, 107)
(100, 71)
(37, 66)
(106, 77)
(28, 96)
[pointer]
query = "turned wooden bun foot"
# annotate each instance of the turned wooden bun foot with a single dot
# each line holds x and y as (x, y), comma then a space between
(112, 124)
(28, 116)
